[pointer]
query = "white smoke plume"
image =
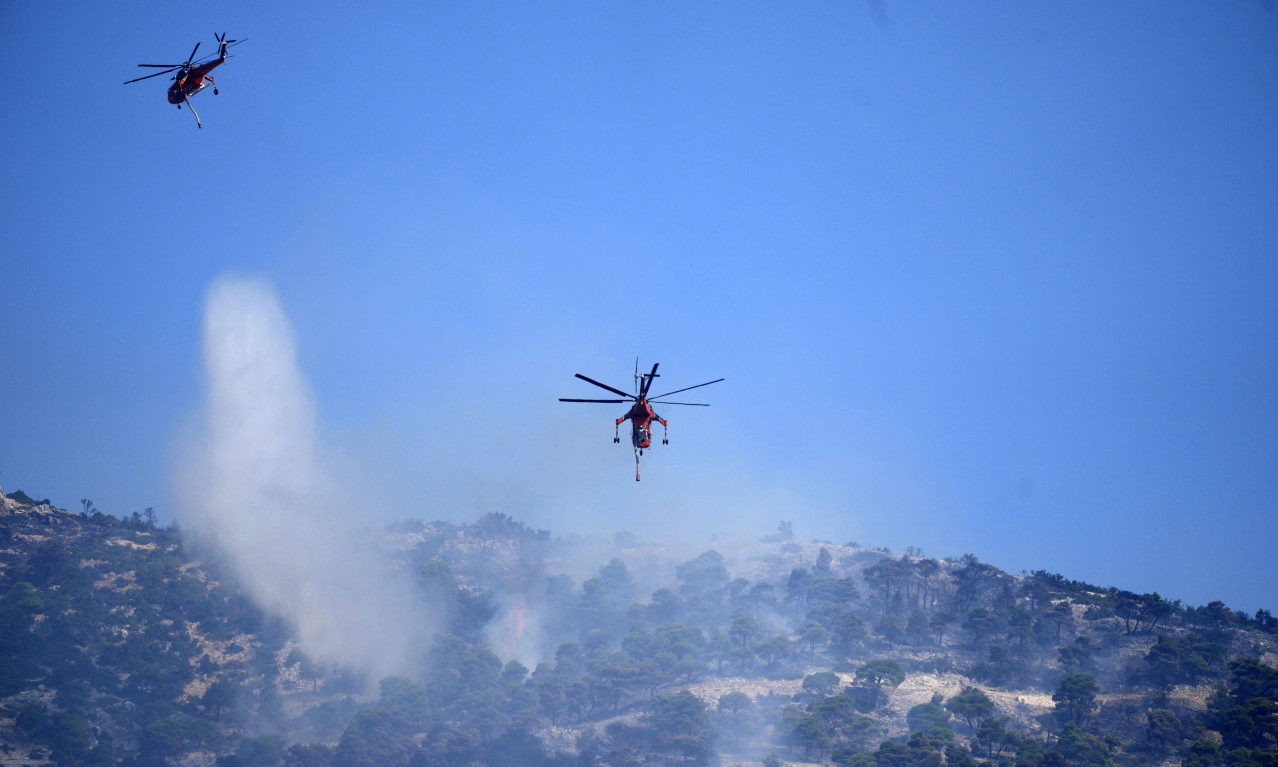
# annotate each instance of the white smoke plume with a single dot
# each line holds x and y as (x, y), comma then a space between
(256, 483)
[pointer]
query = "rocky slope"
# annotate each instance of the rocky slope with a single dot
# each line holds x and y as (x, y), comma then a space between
(126, 643)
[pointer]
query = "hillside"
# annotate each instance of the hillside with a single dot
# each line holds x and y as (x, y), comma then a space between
(126, 643)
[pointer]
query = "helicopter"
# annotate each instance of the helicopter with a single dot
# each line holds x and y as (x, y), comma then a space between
(641, 415)
(192, 76)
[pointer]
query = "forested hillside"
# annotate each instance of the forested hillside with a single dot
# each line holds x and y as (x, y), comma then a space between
(122, 642)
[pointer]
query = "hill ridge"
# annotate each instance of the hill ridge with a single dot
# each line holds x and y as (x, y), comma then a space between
(132, 644)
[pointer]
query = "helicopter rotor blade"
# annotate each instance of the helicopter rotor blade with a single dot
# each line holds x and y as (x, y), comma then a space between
(694, 404)
(191, 58)
(609, 401)
(173, 66)
(605, 386)
(222, 44)
(148, 77)
(647, 381)
(676, 391)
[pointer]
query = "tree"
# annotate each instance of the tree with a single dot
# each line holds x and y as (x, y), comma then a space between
(837, 713)
(971, 705)
(682, 725)
(773, 650)
(847, 632)
(981, 623)
(1078, 656)
(885, 577)
(299, 755)
(1078, 746)
(220, 696)
(69, 738)
(925, 570)
(1251, 719)
(744, 628)
(1075, 698)
(917, 627)
(891, 628)
(1215, 617)
(604, 599)
(1204, 752)
(926, 717)
(551, 700)
(1003, 665)
(873, 676)
(1054, 620)
(809, 735)
(760, 595)
(881, 672)
(666, 607)
(821, 683)
(938, 623)
(796, 588)
(785, 532)
(995, 737)
(735, 702)
(822, 567)
(737, 720)
(1139, 610)
(1020, 625)
(839, 591)
(266, 751)
(703, 574)
(31, 719)
(162, 739)
(813, 634)
(1164, 730)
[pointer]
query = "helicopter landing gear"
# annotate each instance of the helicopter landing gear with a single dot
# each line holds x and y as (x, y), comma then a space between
(616, 440)
(215, 91)
(665, 441)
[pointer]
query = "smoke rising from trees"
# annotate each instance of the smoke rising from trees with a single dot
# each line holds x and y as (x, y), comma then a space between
(255, 481)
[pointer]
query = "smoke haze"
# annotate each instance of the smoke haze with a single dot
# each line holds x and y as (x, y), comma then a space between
(254, 480)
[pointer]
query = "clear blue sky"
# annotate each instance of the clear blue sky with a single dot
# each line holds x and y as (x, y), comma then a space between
(998, 279)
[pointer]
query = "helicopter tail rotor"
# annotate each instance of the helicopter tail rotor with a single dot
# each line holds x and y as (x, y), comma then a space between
(644, 380)
(223, 43)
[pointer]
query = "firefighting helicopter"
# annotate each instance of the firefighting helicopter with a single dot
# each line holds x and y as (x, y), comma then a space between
(641, 414)
(192, 76)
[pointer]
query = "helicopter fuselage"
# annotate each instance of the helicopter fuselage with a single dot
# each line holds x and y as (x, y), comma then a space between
(195, 80)
(641, 415)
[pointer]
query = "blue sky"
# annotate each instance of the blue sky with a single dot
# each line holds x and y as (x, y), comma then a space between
(996, 280)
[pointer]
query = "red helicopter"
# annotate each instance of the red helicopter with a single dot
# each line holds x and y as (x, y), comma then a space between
(192, 76)
(641, 415)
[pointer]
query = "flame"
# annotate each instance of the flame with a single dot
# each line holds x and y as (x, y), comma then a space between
(506, 632)
(516, 619)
